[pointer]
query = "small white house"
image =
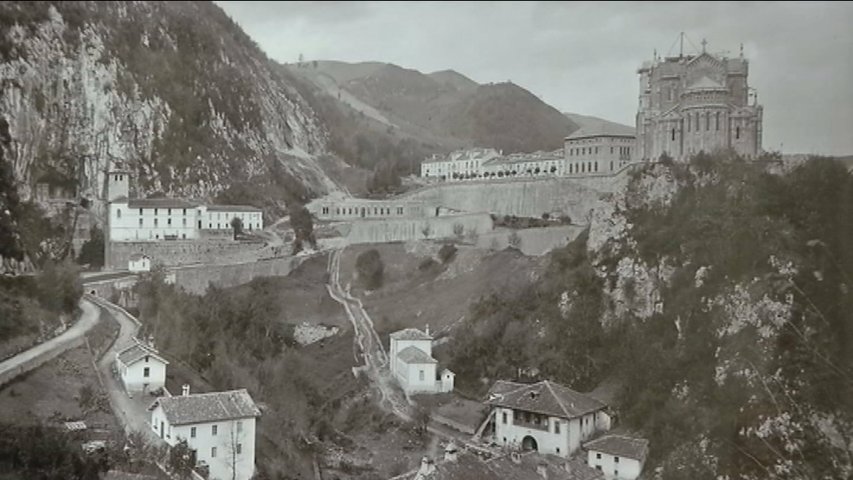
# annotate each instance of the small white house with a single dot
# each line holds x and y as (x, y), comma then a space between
(545, 417)
(219, 426)
(414, 367)
(139, 263)
(617, 456)
(141, 368)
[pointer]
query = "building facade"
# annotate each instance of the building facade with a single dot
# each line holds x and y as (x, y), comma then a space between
(141, 368)
(694, 103)
(458, 164)
(545, 417)
(219, 426)
(605, 150)
(617, 456)
(414, 367)
(158, 219)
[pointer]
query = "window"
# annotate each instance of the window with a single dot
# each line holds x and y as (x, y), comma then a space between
(146, 358)
(169, 221)
(718, 121)
(156, 222)
(185, 222)
(737, 133)
(689, 122)
(615, 459)
(140, 211)
(707, 121)
(140, 222)
(185, 211)
(673, 134)
(192, 432)
(170, 211)
(558, 449)
(213, 452)
(557, 427)
(504, 415)
(213, 429)
(146, 372)
(118, 213)
(421, 375)
(598, 456)
(155, 211)
(239, 426)
(598, 467)
(239, 448)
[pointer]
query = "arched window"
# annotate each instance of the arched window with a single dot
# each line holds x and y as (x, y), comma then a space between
(707, 121)
(689, 122)
(737, 132)
(718, 121)
(673, 138)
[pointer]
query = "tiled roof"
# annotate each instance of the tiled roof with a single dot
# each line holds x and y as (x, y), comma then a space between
(160, 203)
(525, 466)
(415, 355)
(232, 208)
(207, 407)
(546, 398)
(410, 334)
(137, 352)
(620, 445)
(605, 130)
(138, 256)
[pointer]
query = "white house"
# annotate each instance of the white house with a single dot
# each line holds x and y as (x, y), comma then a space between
(413, 366)
(141, 368)
(617, 456)
(545, 417)
(139, 263)
(219, 426)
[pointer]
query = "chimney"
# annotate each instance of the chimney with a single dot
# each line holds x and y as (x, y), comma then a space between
(450, 452)
(185, 390)
(427, 468)
(427, 329)
(542, 470)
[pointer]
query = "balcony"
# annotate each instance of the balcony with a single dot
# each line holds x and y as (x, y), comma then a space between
(530, 420)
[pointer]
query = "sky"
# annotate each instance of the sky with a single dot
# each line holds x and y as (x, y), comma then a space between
(582, 57)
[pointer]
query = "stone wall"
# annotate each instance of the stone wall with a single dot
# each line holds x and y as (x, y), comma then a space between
(575, 197)
(195, 279)
(395, 230)
(177, 252)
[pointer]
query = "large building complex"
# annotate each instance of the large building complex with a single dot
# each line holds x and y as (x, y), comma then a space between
(158, 219)
(694, 103)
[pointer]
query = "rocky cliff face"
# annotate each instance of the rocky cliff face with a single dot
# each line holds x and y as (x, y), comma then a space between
(175, 92)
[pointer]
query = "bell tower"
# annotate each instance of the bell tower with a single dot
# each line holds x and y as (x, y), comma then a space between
(118, 181)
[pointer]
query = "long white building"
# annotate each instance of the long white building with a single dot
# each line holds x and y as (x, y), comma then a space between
(219, 426)
(157, 219)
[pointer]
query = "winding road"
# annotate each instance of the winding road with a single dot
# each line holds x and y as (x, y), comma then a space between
(368, 343)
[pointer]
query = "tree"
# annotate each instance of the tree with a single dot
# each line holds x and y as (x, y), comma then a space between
(447, 252)
(59, 287)
(303, 226)
(237, 225)
(92, 251)
(181, 459)
(458, 230)
(514, 240)
(370, 269)
(233, 443)
(10, 244)
(426, 230)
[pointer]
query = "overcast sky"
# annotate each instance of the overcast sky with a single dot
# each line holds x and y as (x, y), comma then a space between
(582, 57)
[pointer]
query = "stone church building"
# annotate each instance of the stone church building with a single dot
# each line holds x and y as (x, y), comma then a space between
(693, 103)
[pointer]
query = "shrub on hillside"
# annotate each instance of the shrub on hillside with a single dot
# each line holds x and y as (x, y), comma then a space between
(447, 252)
(92, 252)
(370, 269)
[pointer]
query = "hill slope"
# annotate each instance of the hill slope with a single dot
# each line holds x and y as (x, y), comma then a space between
(590, 123)
(442, 110)
(174, 90)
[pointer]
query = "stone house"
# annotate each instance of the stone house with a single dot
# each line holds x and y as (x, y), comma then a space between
(545, 417)
(617, 456)
(412, 363)
(141, 368)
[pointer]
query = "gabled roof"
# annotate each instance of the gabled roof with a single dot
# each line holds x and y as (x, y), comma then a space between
(137, 352)
(524, 466)
(160, 203)
(620, 445)
(207, 407)
(232, 208)
(414, 354)
(606, 130)
(410, 334)
(545, 397)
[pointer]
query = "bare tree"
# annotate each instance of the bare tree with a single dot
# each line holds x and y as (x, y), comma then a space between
(233, 443)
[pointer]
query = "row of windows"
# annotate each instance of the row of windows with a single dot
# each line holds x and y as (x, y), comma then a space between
(585, 151)
(362, 210)
(672, 133)
(214, 429)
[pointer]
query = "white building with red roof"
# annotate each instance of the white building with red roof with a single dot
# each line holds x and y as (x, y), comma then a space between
(413, 366)
(545, 417)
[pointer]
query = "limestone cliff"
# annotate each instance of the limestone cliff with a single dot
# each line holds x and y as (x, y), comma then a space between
(174, 91)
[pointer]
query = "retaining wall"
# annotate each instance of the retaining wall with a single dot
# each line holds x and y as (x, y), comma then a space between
(534, 241)
(196, 279)
(395, 230)
(183, 252)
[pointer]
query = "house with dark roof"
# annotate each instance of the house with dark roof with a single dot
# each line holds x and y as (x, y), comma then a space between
(617, 456)
(219, 426)
(141, 368)
(414, 367)
(546, 417)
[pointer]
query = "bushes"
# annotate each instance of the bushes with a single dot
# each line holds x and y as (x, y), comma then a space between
(92, 252)
(447, 252)
(370, 269)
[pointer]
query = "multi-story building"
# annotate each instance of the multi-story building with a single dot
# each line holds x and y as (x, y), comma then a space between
(141, 368)
(602, 150)
(157, 219)
(545, 417)
(694, 103)
(459, 164)
(219, 426)
(618, 457)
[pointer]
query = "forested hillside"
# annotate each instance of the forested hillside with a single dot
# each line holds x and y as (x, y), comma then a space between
(716, 297)
(174, 91)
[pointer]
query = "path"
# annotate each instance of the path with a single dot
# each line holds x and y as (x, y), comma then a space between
(368, 343)
(41, 353)
(132, 413)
